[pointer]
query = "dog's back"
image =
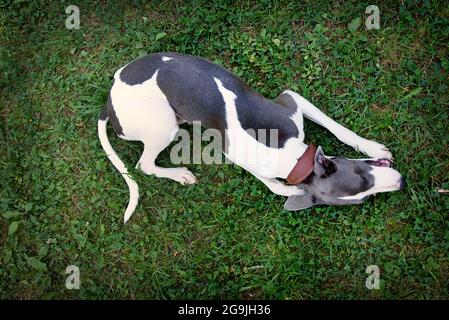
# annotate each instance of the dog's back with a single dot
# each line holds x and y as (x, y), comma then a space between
(187, 82)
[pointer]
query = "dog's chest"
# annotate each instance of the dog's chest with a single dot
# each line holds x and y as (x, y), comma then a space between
(254, 153)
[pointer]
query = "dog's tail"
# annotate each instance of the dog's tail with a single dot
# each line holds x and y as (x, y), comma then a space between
(132, 185)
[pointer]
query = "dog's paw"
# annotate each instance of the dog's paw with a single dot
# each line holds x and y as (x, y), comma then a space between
(183, 176)
(375, 150)
(288, 191)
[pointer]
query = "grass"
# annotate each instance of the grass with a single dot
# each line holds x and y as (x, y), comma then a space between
(61, 201)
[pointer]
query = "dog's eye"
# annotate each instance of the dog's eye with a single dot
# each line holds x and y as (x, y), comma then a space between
(364, 182)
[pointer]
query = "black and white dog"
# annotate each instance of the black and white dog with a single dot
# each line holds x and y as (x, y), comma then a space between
(152, 95)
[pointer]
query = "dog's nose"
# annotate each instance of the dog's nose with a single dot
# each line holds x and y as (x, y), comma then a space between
(402, 184)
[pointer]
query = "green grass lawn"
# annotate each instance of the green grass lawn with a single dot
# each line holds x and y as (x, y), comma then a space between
(62, 201)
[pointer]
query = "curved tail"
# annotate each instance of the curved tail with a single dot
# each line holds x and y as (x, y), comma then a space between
(132, 185)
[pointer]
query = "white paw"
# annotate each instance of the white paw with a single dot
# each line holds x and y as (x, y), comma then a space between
(183, 176)
(297, 192)
(374, 150)
(287, 191)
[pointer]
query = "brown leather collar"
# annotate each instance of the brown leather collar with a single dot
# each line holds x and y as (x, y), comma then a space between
(304, 167)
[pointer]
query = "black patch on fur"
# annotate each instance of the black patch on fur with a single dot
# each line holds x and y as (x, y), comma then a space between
(287, 101)
(255, 112)
(188, 83)
(113, 117)
(104, 113)
(140, 70)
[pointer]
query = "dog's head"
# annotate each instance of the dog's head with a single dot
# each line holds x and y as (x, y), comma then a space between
(340, 181)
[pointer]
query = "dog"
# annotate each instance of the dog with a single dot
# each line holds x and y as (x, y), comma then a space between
(152, 95)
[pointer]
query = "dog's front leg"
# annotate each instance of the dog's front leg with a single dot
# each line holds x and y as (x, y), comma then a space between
(369, 147)
(279, 187)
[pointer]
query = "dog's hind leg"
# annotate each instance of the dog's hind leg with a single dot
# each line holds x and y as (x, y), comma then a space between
(148, 165)
(371, 148)
(158, 132)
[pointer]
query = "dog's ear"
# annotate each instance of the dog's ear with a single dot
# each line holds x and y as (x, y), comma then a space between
(295, 203)
(323, 167)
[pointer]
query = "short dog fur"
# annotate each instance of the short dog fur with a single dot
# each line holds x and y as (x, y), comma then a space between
(152, 95)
